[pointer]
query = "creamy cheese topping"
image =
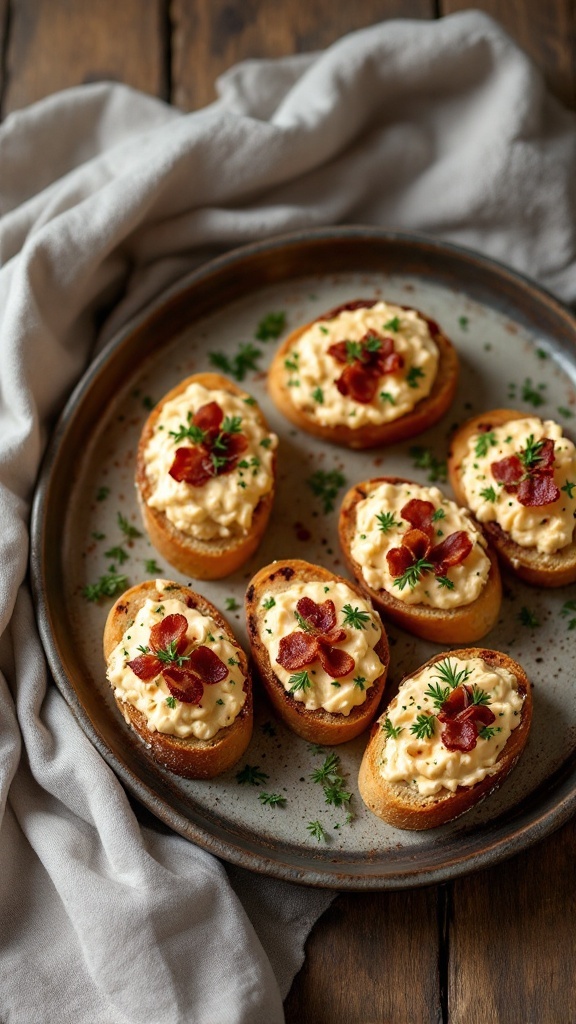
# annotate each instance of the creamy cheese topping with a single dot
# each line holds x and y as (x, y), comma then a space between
(380, 527)
(425, 763)
(548, 528)
(224, 506)
(338, 696)
(312, 373)
(220, 703)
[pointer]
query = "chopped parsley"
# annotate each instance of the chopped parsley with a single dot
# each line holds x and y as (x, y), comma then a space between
(231, 604)
(299, 681)
(488, 731)
(152, 567)
(532, 395)
(315, 829)
(393, 324)
(411, 576)
(250, 775)
(102, 493)
(272, 799)
(463, 321)
(171, 702)
(107, 586)
(567, 608)
(450, 674)
(268, 603)
(354, 617)
(386, 521)
(391, 731)
(415, 373)
(330, 777)
(318, 395)
(423, 458)
(528, 618)
(483, 443)
(438, 514)
(118, 554)
(325, 485)
(238, 365)
(424, 726)
(271, 326)
(569, 487)
(488, 493)
(129, 531)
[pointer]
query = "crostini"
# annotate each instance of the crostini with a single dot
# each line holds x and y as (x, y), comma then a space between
(517, 474)
(205, 475)
(179, 677)
(451, 735)
(421, 560)
(318, 647)
(364, 374)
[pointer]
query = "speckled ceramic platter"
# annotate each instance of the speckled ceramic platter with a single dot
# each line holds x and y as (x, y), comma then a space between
(517, 347)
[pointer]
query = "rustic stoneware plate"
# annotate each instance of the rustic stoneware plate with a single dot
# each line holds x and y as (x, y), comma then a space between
(517, 347)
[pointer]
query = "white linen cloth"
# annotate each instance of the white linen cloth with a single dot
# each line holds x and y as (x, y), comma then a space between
(106, 197)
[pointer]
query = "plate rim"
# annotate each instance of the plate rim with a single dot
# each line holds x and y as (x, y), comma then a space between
(504, 839)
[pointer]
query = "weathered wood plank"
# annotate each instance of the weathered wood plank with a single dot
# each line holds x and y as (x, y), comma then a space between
(61, 43)
(371, 957)
(211, 35)
(512, 939)
(546, 31)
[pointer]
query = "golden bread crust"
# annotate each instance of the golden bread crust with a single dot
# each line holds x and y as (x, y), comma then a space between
(190, 757)
(531, 565)
(397, 803)
(199, 559)
(456, 625)
(427, 411)
(318, 726)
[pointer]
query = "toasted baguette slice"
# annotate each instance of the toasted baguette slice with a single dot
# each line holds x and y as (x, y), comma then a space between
(402, 805)
(200, 559)
(465, 624)
(426, 412)
(319, 725)
(531, 565)
(189, 757)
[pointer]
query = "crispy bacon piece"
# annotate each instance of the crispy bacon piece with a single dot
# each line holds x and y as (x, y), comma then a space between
(376, 357)
(185, 681)
(417, 543)
(531, 482)
(316, 642)
(217, 453)
(462, 719)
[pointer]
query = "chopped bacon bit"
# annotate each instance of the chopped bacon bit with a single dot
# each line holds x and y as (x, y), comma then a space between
(217, 453)
(417, 542)
(462, 719)
(299, 649)
(376, 357)
(186, 680)
(531, 481)
(320, 616)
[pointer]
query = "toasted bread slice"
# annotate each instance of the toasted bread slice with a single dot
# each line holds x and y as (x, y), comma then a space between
(189, 757)
(400, 803)
(427, 411)
(462, 624)
(315, 725)
(199, 558)
(536, 567)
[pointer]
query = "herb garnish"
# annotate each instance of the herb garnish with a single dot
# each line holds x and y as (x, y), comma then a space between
(238, 366)
(569, 487)
(271, 326)
(189, 430)
(529, 394)
(107, 586)
(483, 443)
(391, 731)
(386, 521)
(330, 777)
(171, 702)
(424, 726)
(315, 829)
(268, 603)
(231, 604)
(152, 567)
(411, 576)
(325, 484)
(393, 324)
(424, 459)
(102, 493)
(251, 775)
(567, 608)
(449, 673)
(415, 373)
(318, 395)
(272, 799)
(528, 618)
(488, 493)
(118, 554)
(354, 617)
(129, 531)
(299, 681)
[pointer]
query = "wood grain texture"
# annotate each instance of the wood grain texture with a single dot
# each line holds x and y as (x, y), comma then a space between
(545, 30)
(211, 35)
(56, 44)
(372, 957)
(512, 939)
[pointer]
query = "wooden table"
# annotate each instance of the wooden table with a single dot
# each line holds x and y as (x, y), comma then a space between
(499, 946)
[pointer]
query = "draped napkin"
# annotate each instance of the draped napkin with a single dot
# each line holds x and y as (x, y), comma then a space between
(107, 196)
